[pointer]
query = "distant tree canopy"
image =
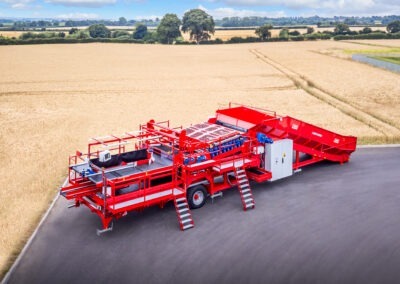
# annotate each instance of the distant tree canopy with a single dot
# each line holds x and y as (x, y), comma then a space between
(81, 35)
(342, 29)
(310, 30)
(73, 31)
(393, 27)
(199, 24)
(168, 29)
(120, 33)
(122, 21)
(284, 33)
(366, 30)
(294, 33)
(264, 31)
(99, 30)
(140, 31)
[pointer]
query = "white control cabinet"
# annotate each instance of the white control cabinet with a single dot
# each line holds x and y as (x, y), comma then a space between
(279, 158)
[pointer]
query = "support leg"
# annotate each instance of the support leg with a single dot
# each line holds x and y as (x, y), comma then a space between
(106, 225)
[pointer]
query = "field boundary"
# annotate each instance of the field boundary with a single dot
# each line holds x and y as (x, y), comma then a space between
(388, 130)
(31, 238)
(350, 59)
(368, 44)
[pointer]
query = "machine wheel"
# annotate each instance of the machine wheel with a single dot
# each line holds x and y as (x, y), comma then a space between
(196, 196)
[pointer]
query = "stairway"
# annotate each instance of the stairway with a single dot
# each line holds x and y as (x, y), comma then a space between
(183, 212)
(244, 188)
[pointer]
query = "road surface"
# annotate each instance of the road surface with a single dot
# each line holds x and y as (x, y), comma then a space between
(329, 223)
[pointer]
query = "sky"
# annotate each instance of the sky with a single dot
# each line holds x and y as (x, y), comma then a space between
(146, 9)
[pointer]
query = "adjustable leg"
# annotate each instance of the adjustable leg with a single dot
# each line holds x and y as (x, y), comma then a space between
(106, 225)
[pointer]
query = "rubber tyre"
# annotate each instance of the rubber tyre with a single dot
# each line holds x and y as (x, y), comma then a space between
(196, 197)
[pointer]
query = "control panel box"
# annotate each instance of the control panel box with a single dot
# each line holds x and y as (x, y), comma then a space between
(279, 158)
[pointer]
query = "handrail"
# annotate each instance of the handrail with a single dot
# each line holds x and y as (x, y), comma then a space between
(252, 107)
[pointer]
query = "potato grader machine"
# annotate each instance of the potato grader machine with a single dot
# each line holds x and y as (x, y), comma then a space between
(158, 163)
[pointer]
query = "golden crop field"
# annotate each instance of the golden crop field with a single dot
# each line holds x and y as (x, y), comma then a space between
(11, 34)
(54, 97)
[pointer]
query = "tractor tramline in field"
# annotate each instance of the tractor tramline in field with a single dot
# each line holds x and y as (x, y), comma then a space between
(158, 163)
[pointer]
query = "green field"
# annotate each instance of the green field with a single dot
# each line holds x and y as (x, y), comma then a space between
(372, 51)
(391, 59)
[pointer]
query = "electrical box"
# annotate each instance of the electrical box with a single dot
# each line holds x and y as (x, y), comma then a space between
(279, 158)
(104, 156)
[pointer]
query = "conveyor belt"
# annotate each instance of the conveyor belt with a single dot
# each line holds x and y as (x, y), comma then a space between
(307, 138)
(130, 170)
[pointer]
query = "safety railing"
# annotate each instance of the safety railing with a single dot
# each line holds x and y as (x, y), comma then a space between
(264, 110)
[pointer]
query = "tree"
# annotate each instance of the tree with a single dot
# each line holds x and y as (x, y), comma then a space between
(294, 33)
(264, 31)
(61, 34)
(168, 29)
(366, 30)
(284, 33)
(99, 30)
(80, 34)
(310, 30)
(140, 31)
(117, 34)
(73, 31)
(341, 29)
(199, 24)
(393, 27)
(122, 21)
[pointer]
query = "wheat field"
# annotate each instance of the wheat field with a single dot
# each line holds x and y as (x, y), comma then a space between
(53, 98)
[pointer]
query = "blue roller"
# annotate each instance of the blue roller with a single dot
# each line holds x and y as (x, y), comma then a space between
(262, 138)
(201, 158)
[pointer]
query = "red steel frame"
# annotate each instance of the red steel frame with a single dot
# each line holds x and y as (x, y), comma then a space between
(101, 197)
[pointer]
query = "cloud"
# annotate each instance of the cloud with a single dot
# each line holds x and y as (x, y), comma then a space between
(149, 17)
(19, 4)
(324, 7)
(222, 12)
(78, 16)
(230, 12)
(83, 3)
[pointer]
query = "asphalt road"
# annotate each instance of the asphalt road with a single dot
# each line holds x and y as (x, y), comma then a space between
(329, 223)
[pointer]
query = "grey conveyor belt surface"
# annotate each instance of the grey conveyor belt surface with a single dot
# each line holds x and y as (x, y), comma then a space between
(158, 163)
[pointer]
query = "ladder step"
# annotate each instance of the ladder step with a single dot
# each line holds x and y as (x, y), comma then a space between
(250, 205)
(185, 215)
(183, 210)
(242, 176)
(242, 180)
(186, 220)
(181, 204)
(188, 226)
(180, 199)
(248, 199)
(245, 190)
(246, 195)
(240, 171)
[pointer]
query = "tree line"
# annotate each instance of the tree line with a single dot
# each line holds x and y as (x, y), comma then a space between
(224, 22)
(314, 20)
(200, 26)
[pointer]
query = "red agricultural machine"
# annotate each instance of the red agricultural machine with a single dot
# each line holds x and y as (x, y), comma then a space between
(158, 163)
